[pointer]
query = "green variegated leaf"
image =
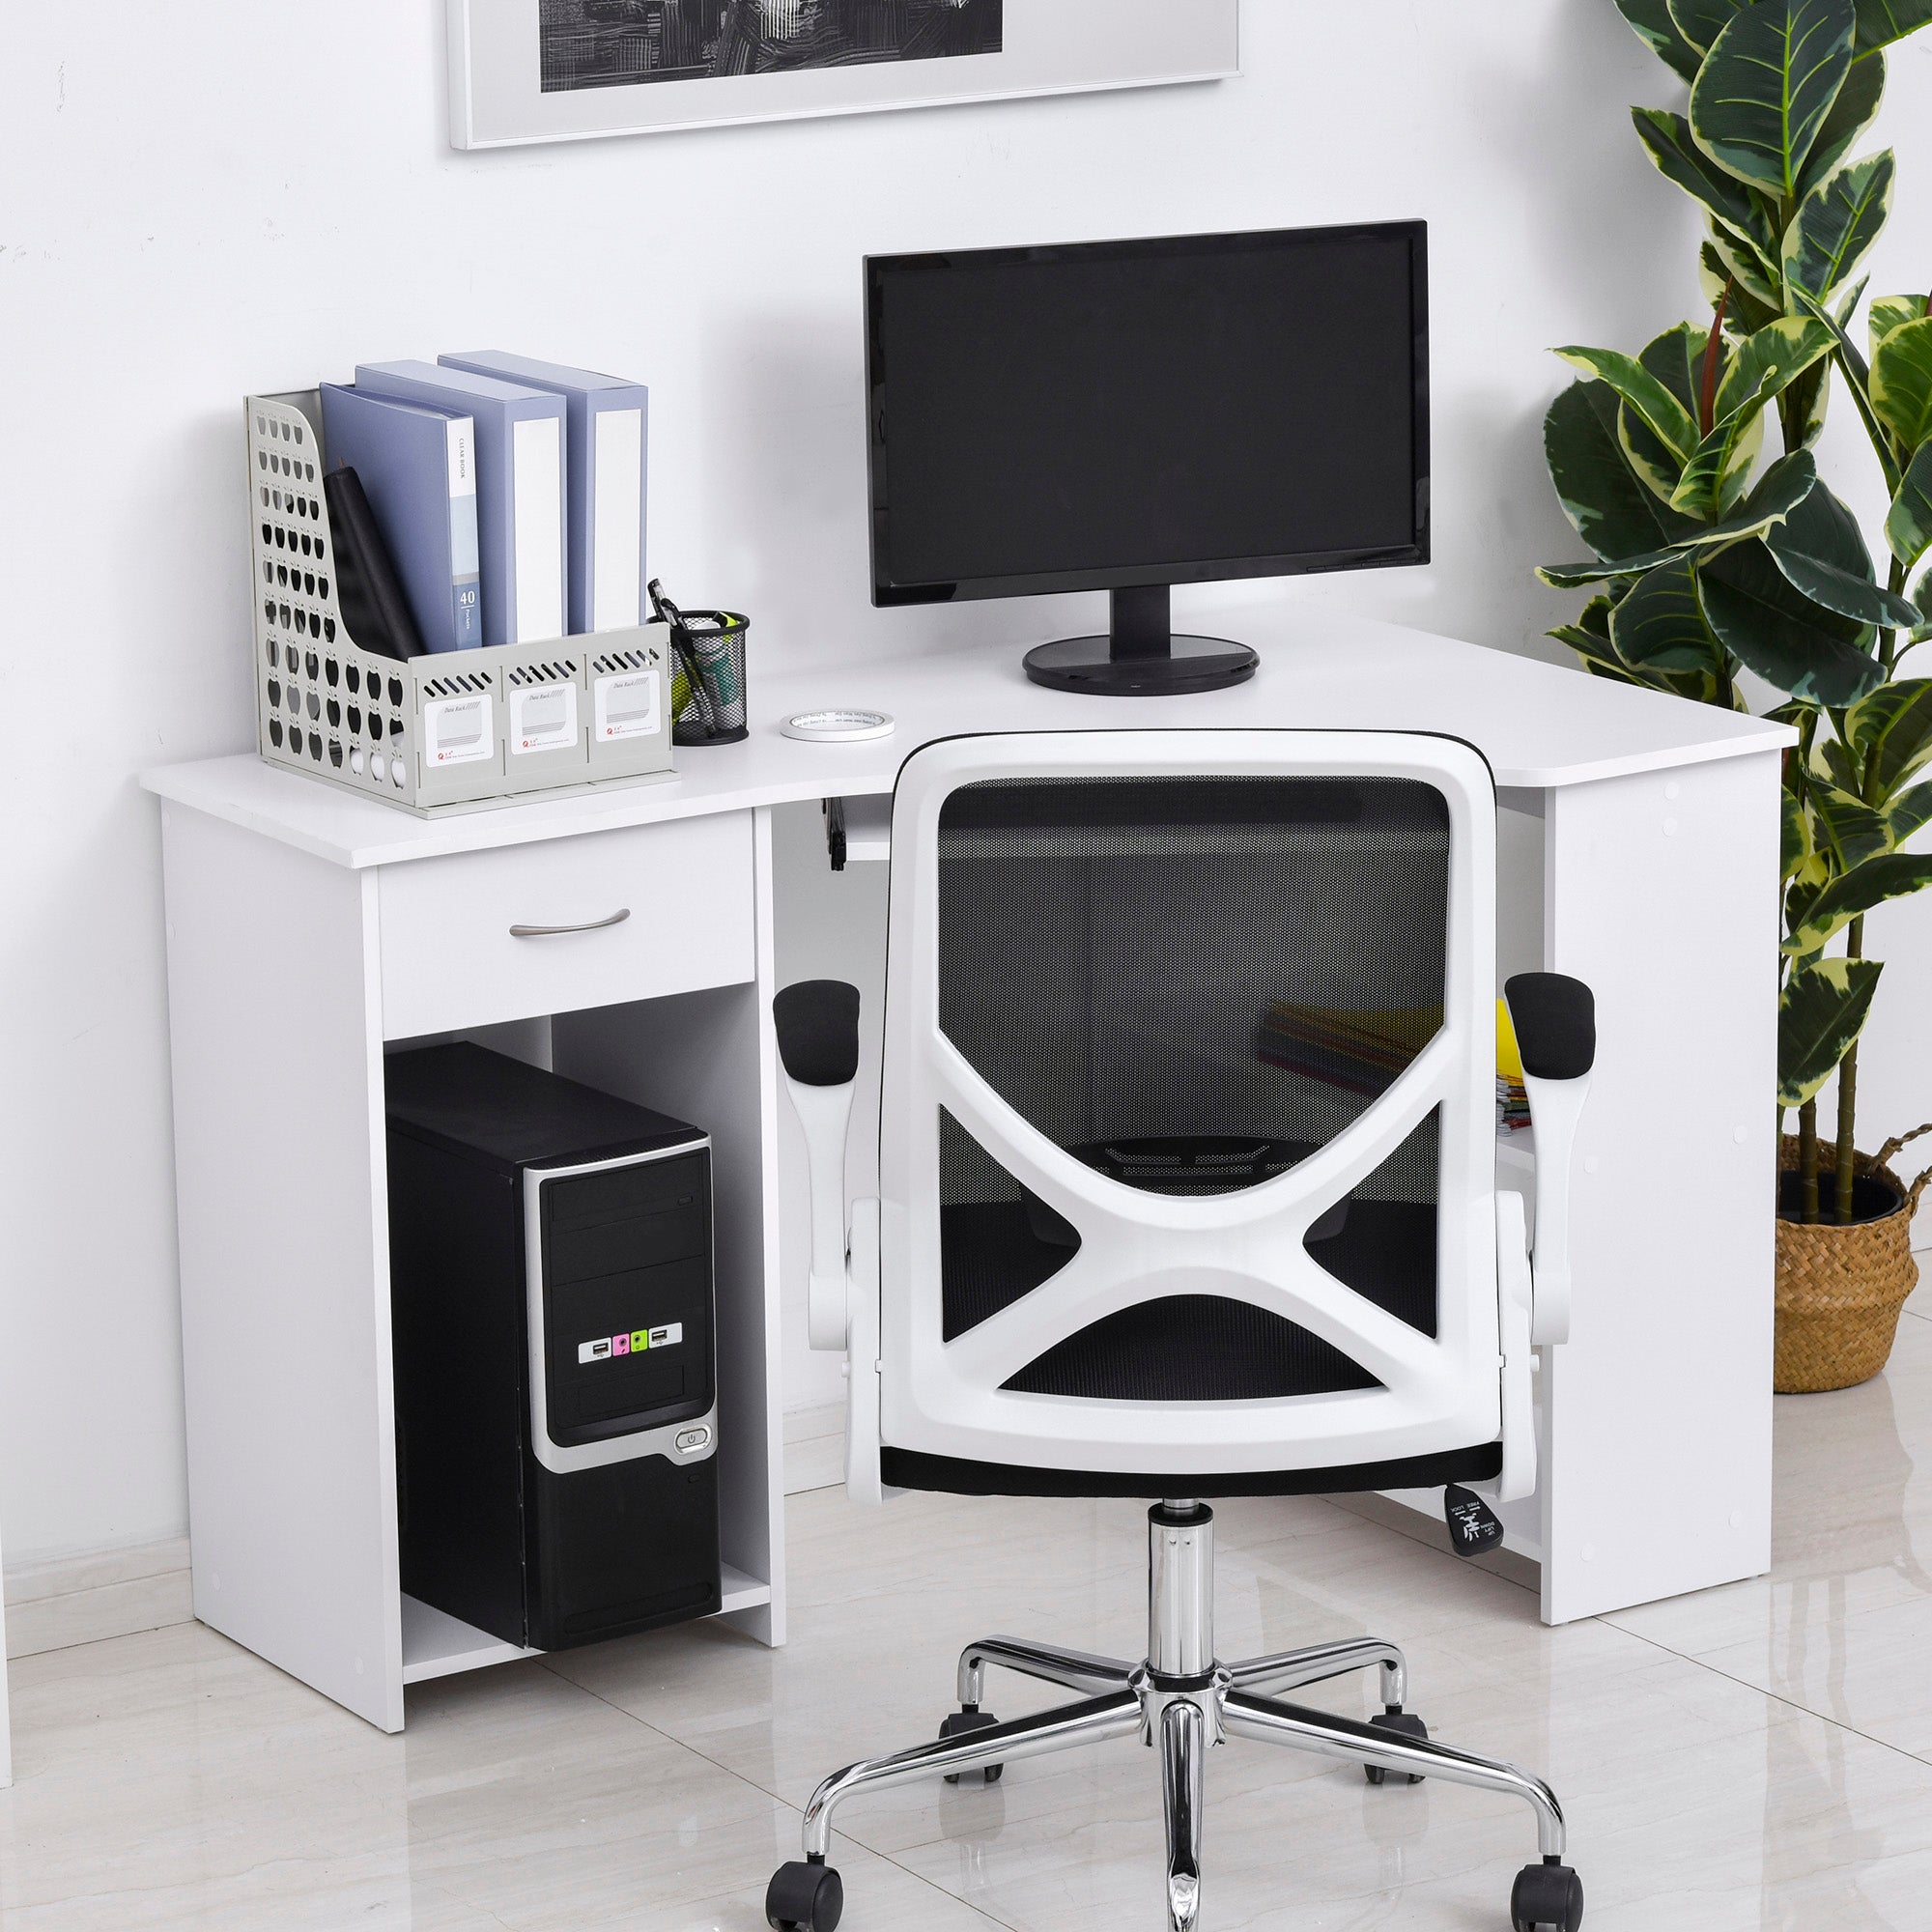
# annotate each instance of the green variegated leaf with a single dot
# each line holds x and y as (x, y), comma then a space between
(1856, 597)
(1781, 635)
(1822, 553)
(1599, 658)
(1657, 31)
(1610, 509)
(1717, 282)
(1723, 459)
(1779, 491)
(1579, 576)
(1676, 358)
(1745, 450)
(1894, 875)
(1823, 528)
(1809, 397)
(1892, 730)
(1836, 224)
(1852, 113)
(1795, 842)
(1590, 638)
(1701, 22)
(1909, 813)
(1670, 145)
(1901, 382)
(1882, 21)
(1594, 618)
(1834, 763)
(1650, 462)
(1849, 358)
(1660, 624)
(1821, 1013)
(1766, 364)
(1852, 828)
(1766, 86)
(1889, 312)
(1759, 276)
(1908, 528)
(1857, 379)
(1662, 415)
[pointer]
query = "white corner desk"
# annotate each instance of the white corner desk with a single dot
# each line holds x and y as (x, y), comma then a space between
(307, 927)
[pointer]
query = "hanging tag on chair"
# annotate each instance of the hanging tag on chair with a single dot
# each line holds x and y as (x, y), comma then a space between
(1473, 1527)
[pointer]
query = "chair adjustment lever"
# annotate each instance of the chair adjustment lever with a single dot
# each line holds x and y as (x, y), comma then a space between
(1473, 1527)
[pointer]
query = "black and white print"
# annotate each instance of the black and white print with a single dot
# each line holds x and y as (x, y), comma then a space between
(589, 44)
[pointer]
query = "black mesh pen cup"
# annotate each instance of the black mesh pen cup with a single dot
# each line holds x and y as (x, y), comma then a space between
(707, 692)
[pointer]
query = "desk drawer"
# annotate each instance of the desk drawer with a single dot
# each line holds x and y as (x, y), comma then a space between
(450, 959)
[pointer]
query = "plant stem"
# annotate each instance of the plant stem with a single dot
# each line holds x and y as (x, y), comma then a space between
(1888, 641)
(1807, 1162)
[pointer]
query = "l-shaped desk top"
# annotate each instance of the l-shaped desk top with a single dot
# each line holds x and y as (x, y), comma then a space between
(1540, 726)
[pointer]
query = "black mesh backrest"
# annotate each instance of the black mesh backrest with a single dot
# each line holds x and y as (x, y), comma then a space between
(1191, 984)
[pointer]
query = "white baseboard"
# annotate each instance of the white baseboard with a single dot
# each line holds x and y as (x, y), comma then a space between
(84, 1599)
(814, 1448)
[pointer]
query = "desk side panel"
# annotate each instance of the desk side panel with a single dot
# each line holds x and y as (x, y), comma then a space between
(6, 1719)
(1662, 893)
(274, 1020)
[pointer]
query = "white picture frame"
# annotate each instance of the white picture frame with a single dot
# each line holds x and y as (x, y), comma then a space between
(529, 71)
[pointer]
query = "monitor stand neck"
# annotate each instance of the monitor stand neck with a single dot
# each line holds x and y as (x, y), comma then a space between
(1140, 657)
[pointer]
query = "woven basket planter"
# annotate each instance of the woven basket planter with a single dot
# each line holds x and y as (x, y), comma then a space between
(1840, 1289)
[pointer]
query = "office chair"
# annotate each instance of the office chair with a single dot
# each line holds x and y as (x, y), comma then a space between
(1187, 1189)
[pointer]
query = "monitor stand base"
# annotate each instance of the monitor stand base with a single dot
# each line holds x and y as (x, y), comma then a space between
(1190, 663)
(1139, 658)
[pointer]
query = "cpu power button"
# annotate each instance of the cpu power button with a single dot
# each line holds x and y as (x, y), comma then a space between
(693, 1439)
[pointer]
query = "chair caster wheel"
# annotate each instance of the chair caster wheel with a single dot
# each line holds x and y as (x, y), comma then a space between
(804, 1897)
(957, 1726)
(1547, 1896)
(1404, 1725)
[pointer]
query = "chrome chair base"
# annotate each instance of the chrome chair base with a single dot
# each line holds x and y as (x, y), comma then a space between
(1184, 1701)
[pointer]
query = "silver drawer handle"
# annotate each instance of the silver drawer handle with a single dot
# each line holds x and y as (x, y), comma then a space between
(617, 918)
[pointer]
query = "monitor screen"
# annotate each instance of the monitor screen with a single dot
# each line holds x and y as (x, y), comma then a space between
(1122, 414)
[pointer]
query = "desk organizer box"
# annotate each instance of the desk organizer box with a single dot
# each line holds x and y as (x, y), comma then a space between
(454, 731)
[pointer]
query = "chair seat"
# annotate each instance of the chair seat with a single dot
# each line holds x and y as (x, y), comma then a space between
(959, 1476)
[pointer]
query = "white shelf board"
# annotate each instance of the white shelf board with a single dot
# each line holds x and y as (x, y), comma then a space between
(739, 1592)
(436, 1644)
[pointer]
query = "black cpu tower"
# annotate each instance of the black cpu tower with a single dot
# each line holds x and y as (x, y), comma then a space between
(553, 1314)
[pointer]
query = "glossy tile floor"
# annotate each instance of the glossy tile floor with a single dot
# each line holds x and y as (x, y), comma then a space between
(1759, 1756)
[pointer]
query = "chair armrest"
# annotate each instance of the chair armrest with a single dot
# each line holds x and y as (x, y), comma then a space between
(818, 1027)
(1555, 1021)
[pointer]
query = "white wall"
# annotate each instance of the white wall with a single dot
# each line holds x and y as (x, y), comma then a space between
(207, 200)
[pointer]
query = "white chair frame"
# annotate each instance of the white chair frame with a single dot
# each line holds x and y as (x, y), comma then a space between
(946, 1397)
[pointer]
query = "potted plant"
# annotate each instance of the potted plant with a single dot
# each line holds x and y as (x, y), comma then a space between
(1711, 563)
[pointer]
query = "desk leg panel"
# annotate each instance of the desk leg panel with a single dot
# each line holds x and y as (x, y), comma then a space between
(1660, 892)
(275, 1027)
(6, 1720)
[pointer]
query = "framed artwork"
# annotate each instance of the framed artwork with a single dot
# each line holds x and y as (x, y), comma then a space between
(524, 70)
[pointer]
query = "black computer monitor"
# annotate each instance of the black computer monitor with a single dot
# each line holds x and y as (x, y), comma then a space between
(1129, 416)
